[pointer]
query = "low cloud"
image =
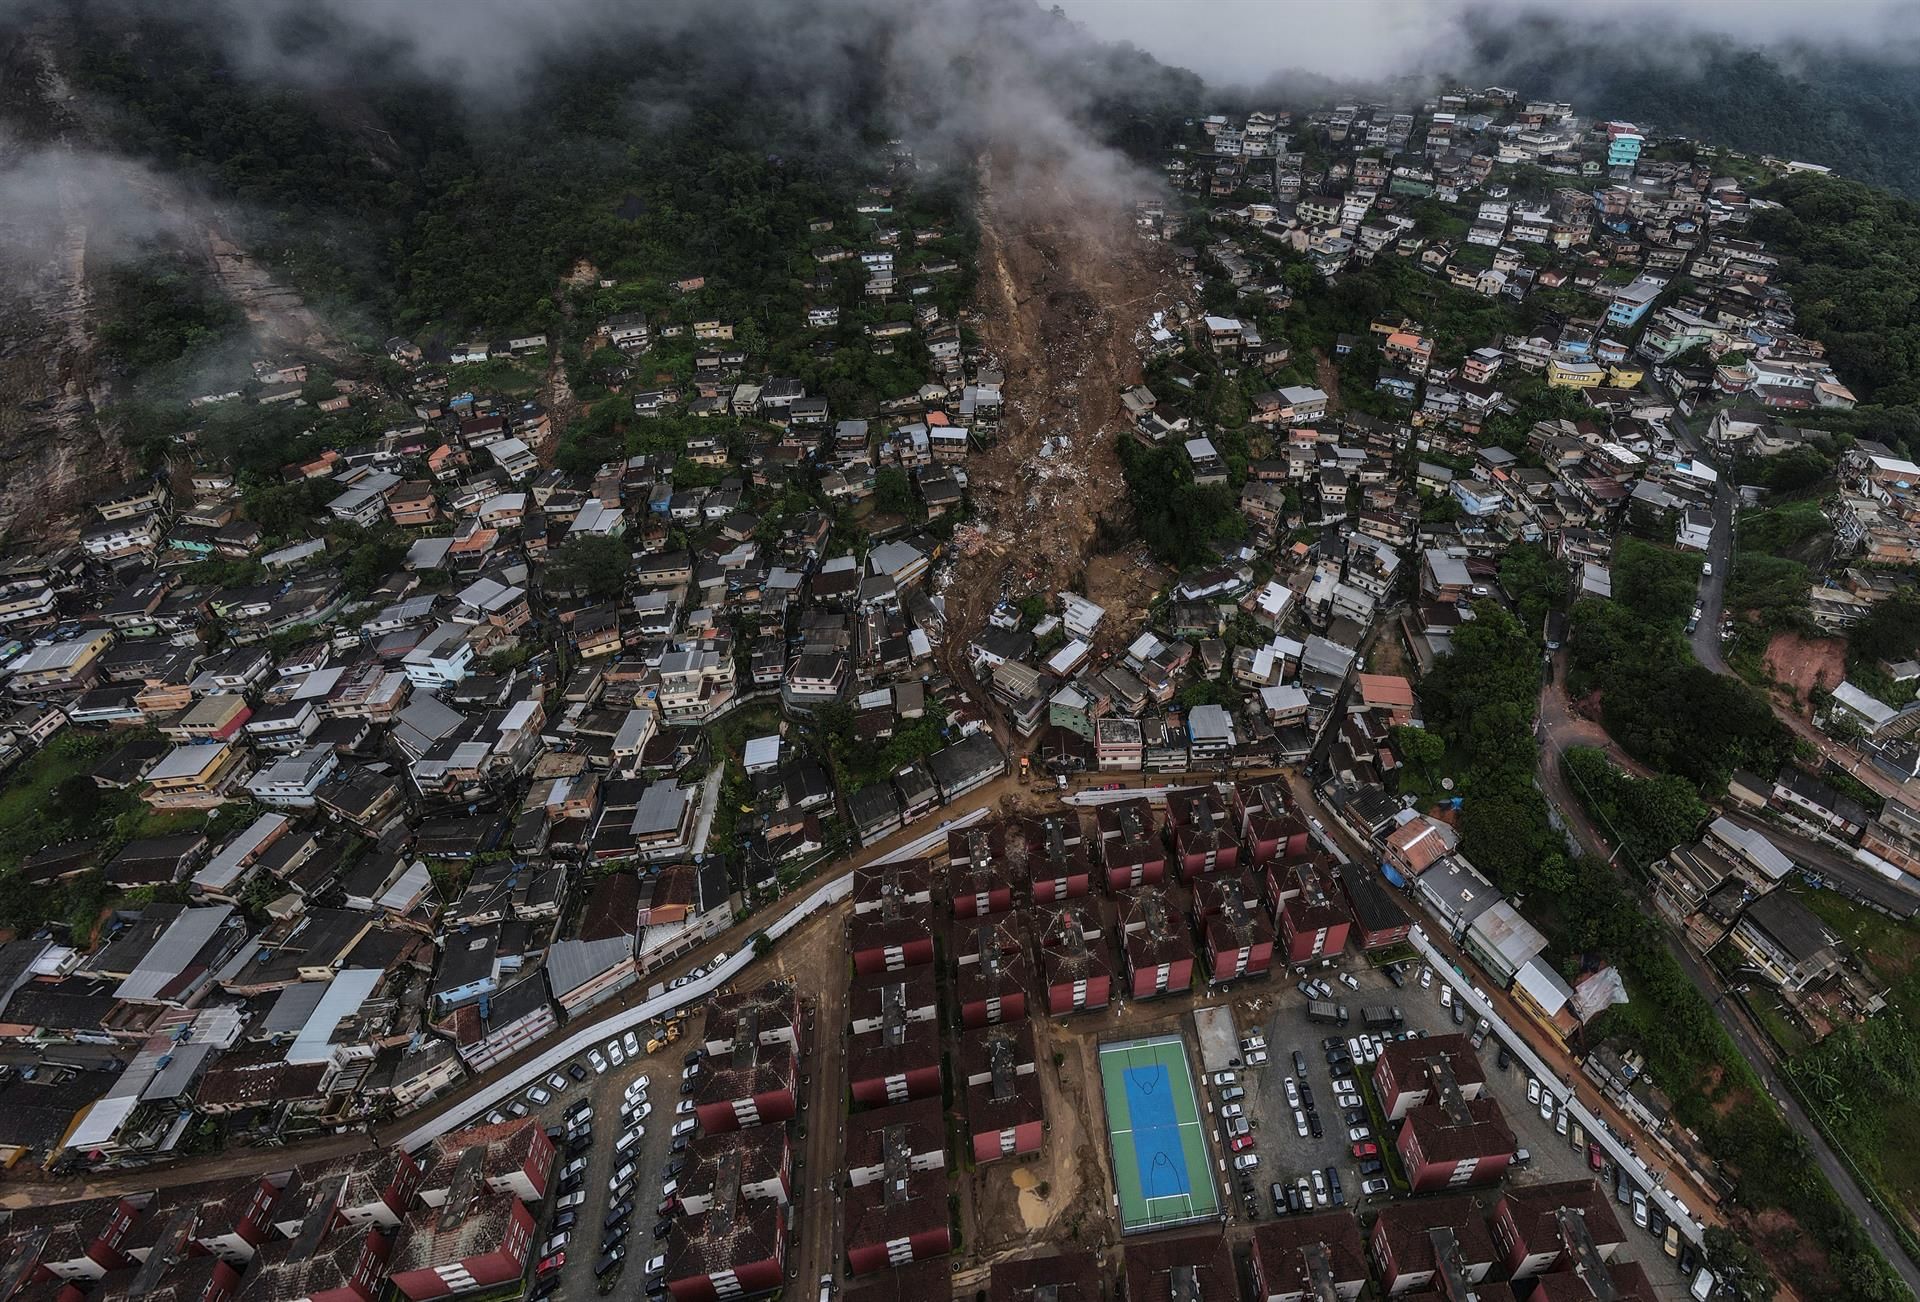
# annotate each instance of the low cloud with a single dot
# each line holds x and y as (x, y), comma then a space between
(1251, 42)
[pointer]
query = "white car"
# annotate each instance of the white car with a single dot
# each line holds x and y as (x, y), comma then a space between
(669, 1189)
(637, 1089)
(1707, 569)
(1348, 980)
(1254, 1042)
(1446, 996)
(573, 1199)
(1426, 977)
(1299, 1123)
(557, 1083)
(631, 1043)
(1225, 1078)
(495, 1117)
(1533, 1089)
(1357, 1133)
(1246, 1161)
(595, 1061)
(539, 1096)
(615, 1053)
(1373, 1188)
(1345, 1085)
(1546, 1105)
(684, 1127)
(1319, 1189)
(679, 981)
(683, 1108)
(690, 1071)
(622, 1174)
(1257, 1058)
(554, 1243)
(1348, 1100)
(1293, 1093)
(656, 1263)
(1357, 1049)
(1232, 1110)
(629, 1139)
(697, 973)
(717, 960)
(642, 1112)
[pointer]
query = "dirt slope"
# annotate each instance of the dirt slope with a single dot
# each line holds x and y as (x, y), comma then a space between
(1066, 288)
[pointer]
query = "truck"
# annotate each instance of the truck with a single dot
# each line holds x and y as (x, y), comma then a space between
(1380, 1017)
(1026, 770)
(1326, 1012)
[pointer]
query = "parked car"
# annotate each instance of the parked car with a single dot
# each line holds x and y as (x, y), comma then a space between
(1299, 1123)
(1355, 1116)
(1372, 1166)
(1640, 1209)
(1426, 977)
(554, 1243)
(1358, 1133)
(1225, 1078)
(631, 1043)
(576, 1071)
(539, 1096)
(609, 1261)
(550, 1264)
(1232, 1094)
(1300, 1063)
(615, 1054)
(1255, 1041)
(598, 1063)
(518, 1108)
(629, 1139)
(1345, 1085)
(1348, 980)
(1232, 1109)
(684, 1127)
(573, 1168)
(1313, 1122)
(620, 1211)
(564, 1220)
(1366, 1150)
(1320, 1195)
(625, 1171)
(1533, 1090)
(557, 1083)
(658, 1262)
(1257, 1058)
(1293, 1093)
(574, 1199)
(1246, 1161)
(1240, 1143)
(1374, 1188)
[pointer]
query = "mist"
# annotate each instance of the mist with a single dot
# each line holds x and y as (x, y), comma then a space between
(1253, 43)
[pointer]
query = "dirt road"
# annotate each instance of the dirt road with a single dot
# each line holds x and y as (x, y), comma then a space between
(1066, 288)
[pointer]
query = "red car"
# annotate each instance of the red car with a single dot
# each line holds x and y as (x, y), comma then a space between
(1241, 1143)
(550, 1264)
(1366, 1148)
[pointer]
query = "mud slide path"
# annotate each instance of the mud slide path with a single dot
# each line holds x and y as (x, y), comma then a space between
(1067, 287)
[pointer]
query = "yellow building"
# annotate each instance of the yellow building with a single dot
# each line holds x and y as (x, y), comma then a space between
(1625, 375)
(195, 776)
(1564, 374)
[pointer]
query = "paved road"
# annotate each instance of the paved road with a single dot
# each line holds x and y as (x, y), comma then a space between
(1674, 1175)
(1713, 587)
(1746, 1038)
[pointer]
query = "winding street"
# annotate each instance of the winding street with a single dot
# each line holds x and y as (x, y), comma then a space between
(1559, 728)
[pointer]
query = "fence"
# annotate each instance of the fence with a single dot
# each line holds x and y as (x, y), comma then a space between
(666, 1003)
(1676, 1212)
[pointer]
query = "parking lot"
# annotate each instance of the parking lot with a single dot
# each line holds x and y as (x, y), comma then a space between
(1286, 1156)
(649, 1156)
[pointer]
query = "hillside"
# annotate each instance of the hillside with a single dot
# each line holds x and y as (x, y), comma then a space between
(1848, 111)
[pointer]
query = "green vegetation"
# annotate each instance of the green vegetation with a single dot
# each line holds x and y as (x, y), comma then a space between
(1660, 704)
(157, 311)
(1850, 256)
(1648, 816)
(1182, 522)
(1481, 700)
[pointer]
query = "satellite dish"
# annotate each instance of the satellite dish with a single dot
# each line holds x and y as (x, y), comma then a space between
(1446, 784)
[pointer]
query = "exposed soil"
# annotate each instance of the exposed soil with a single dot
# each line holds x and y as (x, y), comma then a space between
(1064, 1194)
(1065, 290)
(1326, 377)
(1799, 664)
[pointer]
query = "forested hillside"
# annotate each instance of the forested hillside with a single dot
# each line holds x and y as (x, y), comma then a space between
(1855, 113)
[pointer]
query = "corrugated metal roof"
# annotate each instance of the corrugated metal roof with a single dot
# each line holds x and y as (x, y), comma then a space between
(292, 1008)
(344, 995)
(178, 945)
